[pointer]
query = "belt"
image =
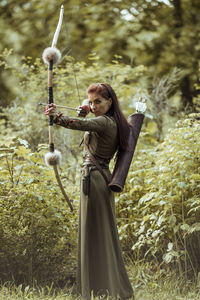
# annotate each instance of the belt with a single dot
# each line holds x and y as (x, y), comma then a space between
(87, 160)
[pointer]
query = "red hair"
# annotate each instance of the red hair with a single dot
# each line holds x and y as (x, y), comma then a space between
(107, 92)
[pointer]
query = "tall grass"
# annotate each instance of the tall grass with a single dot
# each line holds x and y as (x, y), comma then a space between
(149, 283)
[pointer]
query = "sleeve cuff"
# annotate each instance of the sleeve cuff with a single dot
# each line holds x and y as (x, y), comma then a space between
(57, 118)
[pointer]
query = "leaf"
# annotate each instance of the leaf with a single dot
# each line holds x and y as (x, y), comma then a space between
(146, 198)
(23, 142)
(22, 152)
(161, 219)
(170, 246)
(195, 227)
(172, 220)
(156, 233)
(167, 257)
(185, 227)
(146, 218)
(182, 185)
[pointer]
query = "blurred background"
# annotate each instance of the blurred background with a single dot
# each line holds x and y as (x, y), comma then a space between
(159, 34)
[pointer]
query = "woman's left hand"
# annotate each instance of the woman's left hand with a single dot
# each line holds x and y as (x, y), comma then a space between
(51, 110)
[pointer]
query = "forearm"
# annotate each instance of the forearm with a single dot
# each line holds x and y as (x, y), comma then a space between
(96, 124)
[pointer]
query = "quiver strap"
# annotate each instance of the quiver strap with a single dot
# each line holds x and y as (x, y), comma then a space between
(96, 163)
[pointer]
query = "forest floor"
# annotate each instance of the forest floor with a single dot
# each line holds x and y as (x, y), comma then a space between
(147, 284)
(140, 294)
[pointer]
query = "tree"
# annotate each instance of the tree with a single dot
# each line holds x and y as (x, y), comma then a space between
(159, 34)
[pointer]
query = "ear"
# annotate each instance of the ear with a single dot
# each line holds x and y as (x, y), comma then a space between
(110, 101)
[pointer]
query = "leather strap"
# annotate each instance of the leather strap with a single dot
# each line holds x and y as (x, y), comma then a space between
(96, 163)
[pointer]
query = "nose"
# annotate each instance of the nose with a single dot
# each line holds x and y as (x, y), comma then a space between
(93, 107)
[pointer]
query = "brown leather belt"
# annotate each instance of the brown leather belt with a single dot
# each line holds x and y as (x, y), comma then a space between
(100, 164)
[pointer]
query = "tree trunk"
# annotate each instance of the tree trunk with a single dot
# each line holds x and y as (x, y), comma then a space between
(186, 92)
(178, 21)
(185, 84)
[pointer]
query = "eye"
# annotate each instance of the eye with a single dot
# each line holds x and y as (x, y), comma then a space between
(97, 101)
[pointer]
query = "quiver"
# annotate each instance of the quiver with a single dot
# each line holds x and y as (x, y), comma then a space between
(125, 156)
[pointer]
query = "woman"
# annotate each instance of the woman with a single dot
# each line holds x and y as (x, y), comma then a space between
(101, 269)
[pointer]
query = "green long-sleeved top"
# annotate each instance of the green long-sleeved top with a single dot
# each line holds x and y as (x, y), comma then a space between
(103, 129)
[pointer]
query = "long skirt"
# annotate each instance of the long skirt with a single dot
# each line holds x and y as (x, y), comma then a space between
(101, 269)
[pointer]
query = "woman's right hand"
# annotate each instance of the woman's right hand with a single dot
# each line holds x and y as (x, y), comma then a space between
(84, 109)
(51, 110)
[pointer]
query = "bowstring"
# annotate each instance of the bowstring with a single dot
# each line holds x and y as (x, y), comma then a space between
(76, 81)
(73, 65)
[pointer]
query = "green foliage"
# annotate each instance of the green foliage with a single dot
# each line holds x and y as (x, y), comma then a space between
(159, 209)
(37, 229)
(25, 119)
(137, 31)
(159, 97)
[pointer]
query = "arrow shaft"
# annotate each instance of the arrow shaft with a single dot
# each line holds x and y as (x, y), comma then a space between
(61, 106)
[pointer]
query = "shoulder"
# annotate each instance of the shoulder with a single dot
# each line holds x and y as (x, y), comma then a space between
(106, 120)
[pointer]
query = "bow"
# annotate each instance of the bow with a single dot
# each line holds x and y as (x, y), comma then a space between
(51, 56)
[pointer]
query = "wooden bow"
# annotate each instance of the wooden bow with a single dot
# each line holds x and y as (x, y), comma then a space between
(51, 56)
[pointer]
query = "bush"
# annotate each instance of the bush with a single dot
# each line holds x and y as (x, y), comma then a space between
(159, 209)
(37, 230)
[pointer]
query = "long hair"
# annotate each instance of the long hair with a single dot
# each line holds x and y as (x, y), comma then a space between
(106, 91)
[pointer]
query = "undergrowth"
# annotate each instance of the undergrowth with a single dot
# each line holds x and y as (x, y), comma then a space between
(149, 283)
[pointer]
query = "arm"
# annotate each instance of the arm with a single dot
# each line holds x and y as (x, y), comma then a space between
(98, 124)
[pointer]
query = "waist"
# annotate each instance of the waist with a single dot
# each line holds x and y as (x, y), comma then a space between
(104, 163)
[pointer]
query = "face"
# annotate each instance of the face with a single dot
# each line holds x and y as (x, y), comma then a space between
(98, 104)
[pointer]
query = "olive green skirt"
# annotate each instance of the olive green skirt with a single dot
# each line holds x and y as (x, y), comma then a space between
(101, 269)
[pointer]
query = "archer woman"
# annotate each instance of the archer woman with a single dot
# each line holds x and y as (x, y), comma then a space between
(101, 269)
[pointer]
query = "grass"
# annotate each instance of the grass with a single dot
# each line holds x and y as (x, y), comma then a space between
(149, 283)
(163, 292)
